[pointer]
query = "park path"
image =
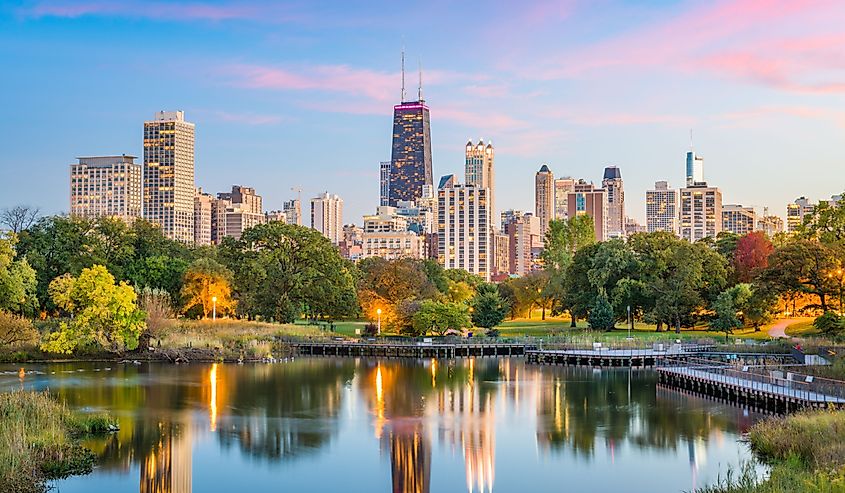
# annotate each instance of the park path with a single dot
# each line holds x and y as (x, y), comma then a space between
(778, 330)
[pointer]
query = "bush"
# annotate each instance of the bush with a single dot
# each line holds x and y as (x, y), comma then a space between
(601, 316)
(829, 322)
(370, 330)
(16, 331)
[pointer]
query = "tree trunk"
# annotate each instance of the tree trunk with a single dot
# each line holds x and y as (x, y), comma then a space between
(659, 326)
(677, 324)
(573, 320)
(544, 312)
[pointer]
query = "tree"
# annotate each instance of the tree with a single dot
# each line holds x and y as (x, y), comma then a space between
(725, 244)
(207, 284)
(488, 307)
(728, 308)
(15, 330)
(826, 224)
(440, 317)
(601, 315)
(104, 313)
(17, 281)
(829, 323)
(159, 272)
(159, 313)
(802, 266)
(563, 240)
(282, 271)
(751, 256)
(19, 218)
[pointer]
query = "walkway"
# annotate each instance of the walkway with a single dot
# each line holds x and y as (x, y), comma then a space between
(778, 330)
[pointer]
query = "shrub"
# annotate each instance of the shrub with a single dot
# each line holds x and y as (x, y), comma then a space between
(829, 322)
(16, 331)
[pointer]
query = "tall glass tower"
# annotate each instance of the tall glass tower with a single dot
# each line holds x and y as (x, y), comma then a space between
(410, 160)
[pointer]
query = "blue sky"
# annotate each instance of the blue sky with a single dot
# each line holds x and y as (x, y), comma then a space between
(301, 93)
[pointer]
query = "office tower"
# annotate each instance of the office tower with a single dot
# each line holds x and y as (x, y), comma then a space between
(695, 168)
(797, 211)
(523, 232)
(771, 225)
(501, 255)
(738, 219)
(202, 217)
(169, 174)
(661, 208)
(106, 186)
(612, 183)
(463, 233)
(591, 201)
(234, 212)
(700, 212)
(327, 216)
(562, 188)
(384, 183)
(410, 158)
(479, 169)
(508, 216)
(544, 197)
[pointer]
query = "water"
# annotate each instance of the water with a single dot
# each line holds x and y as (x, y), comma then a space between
(345, 425)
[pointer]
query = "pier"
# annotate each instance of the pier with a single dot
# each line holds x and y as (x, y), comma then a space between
(779, 389)
(604, 356)
(409, 349)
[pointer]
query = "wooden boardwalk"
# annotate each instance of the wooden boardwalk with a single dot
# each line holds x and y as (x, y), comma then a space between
(761, 387)
(408, 350)
(612, 357)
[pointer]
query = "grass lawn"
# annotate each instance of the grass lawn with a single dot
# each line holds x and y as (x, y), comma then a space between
(803, 328)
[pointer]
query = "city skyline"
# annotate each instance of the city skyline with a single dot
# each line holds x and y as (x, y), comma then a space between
(270, 113)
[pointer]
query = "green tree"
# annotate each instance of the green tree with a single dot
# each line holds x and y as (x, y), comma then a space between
(207, 285)
(440, 317)
(488, 307)
(601, 314)
(104, 313)
(804, 267)
(388, 284)
(829, 323)
(563, 240)
(17, 281)
(728, 308)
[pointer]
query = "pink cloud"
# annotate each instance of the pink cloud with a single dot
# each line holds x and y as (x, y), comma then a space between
(248, 118)
(160, 10)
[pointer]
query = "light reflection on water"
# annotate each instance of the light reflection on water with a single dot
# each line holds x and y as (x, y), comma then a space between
(479, 425)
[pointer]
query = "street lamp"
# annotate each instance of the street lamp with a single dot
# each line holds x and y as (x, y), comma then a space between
(379, 321)
(214, 308)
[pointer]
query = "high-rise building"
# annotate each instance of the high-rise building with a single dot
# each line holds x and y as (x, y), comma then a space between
(509, 216)
(612, 183)
(463, 231)
(234, 212)
(544, 197)
(384, 183)
(661, 208)
(562, 188)
(796, 211)
(410, 158)
(738, 219)
(169, 174)
(695, 168)
(106, 186)
(327, 216)
(700, 212)
(591, 201)
(501, 255)
(771, 225)
(523, 232)
(479, 169)
(202, 217)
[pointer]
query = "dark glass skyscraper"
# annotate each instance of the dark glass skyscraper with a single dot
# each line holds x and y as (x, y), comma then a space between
(410, 160)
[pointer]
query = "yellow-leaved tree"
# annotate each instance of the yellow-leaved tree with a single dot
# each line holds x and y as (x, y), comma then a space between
(205, 284)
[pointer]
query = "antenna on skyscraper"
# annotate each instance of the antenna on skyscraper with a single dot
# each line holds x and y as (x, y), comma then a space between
(690, 141)
(298, 191)
(419, 90)
(403, 75)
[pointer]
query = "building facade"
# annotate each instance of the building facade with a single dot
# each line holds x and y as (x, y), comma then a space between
(662, 208)
(169, 188)
(327, 216)
(410, 159)
(700, 212)
(612, 184)
(384, 183)
(202, 218)
(479, 170)
(544, 197)
(393, 245)
(106, 186)
(523, 234)
(234, 212)
(463, 231)
(591, 201)
(738, 219)
(797, 211)
(563, 186)
(695, 168)
(771, 225)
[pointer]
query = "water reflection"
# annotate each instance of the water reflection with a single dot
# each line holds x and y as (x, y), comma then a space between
(314, 424)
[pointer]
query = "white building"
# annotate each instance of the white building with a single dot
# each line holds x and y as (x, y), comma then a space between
(106, 186)
(327, 216)
(662, 208)
(463, 229)
(202, 217)
(700, 212)
(738, 219)
(563, 187)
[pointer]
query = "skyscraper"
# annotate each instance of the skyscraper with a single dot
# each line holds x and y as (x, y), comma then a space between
(562, 188)
(410, 159)
(169, 174)
(544, 198)
(661, 208)
(738, 219)
(612, 183)
(700, 212)
(106, 186)
(695, 168)
(591, 201)
(384, 183)
(327, 216)
(463, 232)
(202, 217)
(796, 211)
(479, 169)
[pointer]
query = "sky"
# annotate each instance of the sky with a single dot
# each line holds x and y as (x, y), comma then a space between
(300, 94)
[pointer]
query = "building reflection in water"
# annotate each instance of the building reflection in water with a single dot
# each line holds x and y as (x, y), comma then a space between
(167, 467)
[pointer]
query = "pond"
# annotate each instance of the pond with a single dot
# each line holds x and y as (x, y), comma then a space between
(367, 425)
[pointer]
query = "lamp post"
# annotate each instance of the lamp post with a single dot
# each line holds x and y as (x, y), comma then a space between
(214, 308)
(630, 322)
(379, 321)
